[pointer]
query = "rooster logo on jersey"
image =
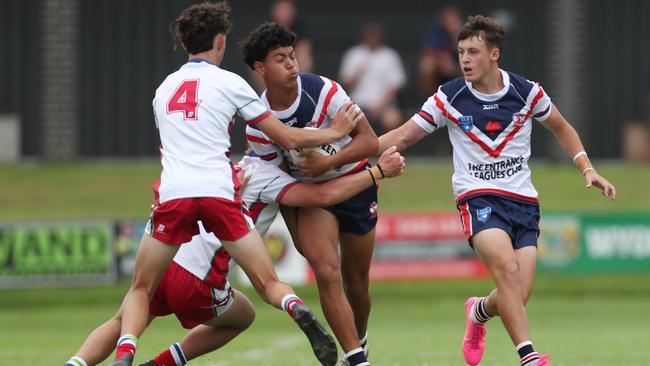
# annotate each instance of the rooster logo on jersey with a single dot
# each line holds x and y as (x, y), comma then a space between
(519, 119)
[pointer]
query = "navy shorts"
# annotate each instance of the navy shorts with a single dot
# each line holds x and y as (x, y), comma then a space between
(519, 220)
(358, 214)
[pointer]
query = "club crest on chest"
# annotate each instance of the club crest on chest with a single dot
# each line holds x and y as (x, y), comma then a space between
(466, 123)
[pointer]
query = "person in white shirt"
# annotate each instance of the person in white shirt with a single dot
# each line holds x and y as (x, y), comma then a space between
(489, 115)
(374, 74)
(194, 109)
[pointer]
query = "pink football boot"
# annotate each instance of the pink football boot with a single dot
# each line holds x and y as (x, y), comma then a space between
(474, 340)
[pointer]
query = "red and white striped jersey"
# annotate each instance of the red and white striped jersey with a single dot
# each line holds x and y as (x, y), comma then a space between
(194, 109)
(319, 99)
(490, 134)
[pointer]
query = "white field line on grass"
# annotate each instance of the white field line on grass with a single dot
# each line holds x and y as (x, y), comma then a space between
(256, 355)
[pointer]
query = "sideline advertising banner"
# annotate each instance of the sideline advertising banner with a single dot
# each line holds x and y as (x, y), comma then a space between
(423, 246)
(595, 243)
(56, 253)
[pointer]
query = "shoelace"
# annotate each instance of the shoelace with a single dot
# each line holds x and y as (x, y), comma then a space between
(475, 335)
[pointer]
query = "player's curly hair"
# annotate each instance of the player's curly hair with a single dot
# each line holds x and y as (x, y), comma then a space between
(197, 25)
(264, 39)
(485, 28)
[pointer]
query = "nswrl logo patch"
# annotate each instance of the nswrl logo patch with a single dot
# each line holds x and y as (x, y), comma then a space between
(483, 214)
(466, 123)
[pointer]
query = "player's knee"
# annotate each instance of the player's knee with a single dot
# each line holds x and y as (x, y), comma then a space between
(328, 273)
(247, 318)
(509, 270)
(355, 281)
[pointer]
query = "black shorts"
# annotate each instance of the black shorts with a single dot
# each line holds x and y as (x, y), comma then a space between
(358, 214)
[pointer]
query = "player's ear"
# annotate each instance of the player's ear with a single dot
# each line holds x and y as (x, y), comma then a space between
(258, 66)
(495, 53)
(219, 42)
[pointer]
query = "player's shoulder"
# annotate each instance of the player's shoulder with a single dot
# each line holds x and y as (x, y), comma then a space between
(520, 83)
(228, 78)
(453, 87)
(314, 85)
(312, 82)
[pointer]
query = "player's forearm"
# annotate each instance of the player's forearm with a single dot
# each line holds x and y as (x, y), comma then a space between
(569, 140)
(293, 138)
(340, 189)
(364, 144)
(396, 137)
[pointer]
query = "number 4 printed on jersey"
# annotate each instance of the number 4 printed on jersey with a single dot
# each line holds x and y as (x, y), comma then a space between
(185, 100)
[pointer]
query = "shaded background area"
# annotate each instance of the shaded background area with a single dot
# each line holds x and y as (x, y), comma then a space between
(80, 75)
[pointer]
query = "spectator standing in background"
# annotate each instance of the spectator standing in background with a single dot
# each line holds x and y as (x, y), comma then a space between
(374, 74)
(284, 12)
(439, 56)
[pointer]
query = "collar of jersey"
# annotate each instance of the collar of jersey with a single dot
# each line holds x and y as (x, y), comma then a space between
(289, 111)
(199, 60)
(491, 97)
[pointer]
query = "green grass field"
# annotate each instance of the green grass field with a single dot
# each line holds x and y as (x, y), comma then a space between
(581, 321)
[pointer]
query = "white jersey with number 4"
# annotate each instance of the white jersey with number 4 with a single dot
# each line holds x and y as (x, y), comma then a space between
(490, 135)
(194, 109)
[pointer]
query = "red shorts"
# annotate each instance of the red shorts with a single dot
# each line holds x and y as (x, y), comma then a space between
(190, 299)
(175, 221)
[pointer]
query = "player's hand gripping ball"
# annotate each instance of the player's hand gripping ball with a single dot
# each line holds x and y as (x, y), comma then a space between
(325, 150)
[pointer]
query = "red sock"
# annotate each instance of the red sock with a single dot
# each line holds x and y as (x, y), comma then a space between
(172, 356)
(165, 358)
(126, 344)
(124, 348)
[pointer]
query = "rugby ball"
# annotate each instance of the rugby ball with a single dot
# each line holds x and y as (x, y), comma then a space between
(325, 149)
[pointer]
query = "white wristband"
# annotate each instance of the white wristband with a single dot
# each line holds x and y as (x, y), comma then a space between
(588, 169)
(579, 155)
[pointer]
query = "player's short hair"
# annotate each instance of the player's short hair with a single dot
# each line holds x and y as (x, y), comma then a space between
(485, 28)
(197, 25)
(264, 39)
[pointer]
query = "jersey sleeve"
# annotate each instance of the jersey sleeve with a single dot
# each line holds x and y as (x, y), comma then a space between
(263, 146)
(249, 106)
(539, 103)
(338, 97)
(429, 117)
(269, 183)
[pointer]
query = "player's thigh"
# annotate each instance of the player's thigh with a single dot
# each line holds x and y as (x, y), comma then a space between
(527, 259)
(356, 253)
(290, 216)
(240, 314)
(151, 261)
(318, 232)
(250, 253)
(494, 248)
